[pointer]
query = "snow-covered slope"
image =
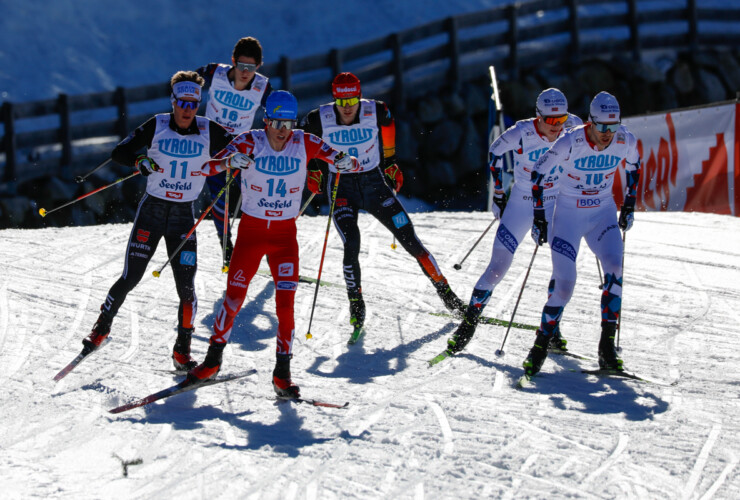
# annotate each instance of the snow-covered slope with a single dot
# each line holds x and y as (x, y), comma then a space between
(458, 430)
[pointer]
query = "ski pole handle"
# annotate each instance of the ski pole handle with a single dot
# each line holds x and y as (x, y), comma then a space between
(43, 212)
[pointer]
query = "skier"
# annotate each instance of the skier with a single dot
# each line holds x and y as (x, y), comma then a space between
(177, 144)
(235, 93)
(589, 155)
(365, 128)
(273, 164)
(527, 140)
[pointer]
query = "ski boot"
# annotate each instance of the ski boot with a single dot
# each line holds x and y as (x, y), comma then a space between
(99, 333)
(181, 352)
(608, 359)
(284, 387)
(210, 366)
(537, 354)
(356, 316)
(558, 342)
(451, 301)
(465, 331)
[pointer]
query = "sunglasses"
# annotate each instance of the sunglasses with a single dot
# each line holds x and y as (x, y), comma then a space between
(555, 120)
(606, 127)
(286, 124)
(246, 67)
(347, 102)
(186, 104)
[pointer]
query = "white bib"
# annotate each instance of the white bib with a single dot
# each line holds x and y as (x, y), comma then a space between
(272, 189)
(359, 140)
(180, 157)
(234, 109)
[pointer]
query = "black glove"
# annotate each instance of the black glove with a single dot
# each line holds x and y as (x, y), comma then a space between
(146, 165)
(499, 204)
(539, 226)
(626, 217)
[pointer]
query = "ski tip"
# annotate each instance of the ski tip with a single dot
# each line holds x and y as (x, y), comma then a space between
(524, 381)
(357, 335)
(439, 357)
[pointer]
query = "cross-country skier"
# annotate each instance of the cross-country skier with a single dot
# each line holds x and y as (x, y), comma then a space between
(177, 144)
(235, 93)
(365, 128)
(527, 140)
(273, 164)
(590, 156)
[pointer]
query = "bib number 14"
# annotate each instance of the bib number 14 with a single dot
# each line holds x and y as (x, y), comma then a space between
(280, 190)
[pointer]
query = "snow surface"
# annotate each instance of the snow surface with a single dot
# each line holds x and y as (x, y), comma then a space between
(457, 430)
(80, 46)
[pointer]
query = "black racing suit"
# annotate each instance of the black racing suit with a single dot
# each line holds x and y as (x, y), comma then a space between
(157, 218)
(369, 191)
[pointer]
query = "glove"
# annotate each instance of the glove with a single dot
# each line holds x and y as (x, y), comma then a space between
(146, 165)
(499, 204)
(626, 215)
(539, 226)
(240, 160)
(313, 181)
(395, 175)
(344, 162)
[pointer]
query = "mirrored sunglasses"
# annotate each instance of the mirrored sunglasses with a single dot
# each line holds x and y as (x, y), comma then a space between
(555, 120)
(606, 127)
(347, 102)
(246, 67)
(286, 124)
(186, 104)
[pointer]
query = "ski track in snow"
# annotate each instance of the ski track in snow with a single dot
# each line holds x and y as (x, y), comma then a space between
(457, 429)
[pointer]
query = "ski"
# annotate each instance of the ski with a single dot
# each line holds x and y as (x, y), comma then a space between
(489, 320)
(628, 375)
(86, 351)
(571, 354)
(314, 402)
(183, 386)
(524, 381)
(357, 334)
(439, 358)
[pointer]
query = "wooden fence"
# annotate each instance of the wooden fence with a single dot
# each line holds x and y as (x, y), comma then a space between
(71, 134)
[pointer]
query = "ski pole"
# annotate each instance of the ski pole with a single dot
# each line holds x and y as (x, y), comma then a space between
(157, 273)
(236, 210)
(601, 276)
(43, 212)
(500, 352)
(323, 252)
(305, 205)
(225, 235)
(459, 266)
(393, 245)
(81, 178)
(619, 319)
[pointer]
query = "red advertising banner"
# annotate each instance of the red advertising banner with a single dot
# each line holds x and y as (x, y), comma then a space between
(690, 160)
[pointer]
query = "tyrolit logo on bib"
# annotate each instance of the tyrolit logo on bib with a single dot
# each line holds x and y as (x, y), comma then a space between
(278, 165)
(233, 100)
(351, 136)
(180, 148)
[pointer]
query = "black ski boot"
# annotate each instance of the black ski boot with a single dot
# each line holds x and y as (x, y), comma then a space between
(356, 309)
(608, 359)
(99, 333)
(465, 331)
(181, 352)
(284, 387)
(210, 367)
(537, 354)
(451, 301)
(558, 343)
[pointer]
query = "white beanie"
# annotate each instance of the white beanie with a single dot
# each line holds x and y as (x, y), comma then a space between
(552, 102)
(604, 108)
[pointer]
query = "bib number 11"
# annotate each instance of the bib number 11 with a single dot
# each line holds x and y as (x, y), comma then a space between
(173, 172)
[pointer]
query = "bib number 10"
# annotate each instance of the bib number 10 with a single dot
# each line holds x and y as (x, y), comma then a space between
(281, 189)
(183, 165)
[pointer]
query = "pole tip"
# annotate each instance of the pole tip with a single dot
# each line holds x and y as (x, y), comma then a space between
(308, 335)
(155, 274)
(499, 352)
(42, 212)
(457, 267)
(225, 269)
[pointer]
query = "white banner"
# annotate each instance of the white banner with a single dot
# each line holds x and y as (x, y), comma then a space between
(690, 160)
